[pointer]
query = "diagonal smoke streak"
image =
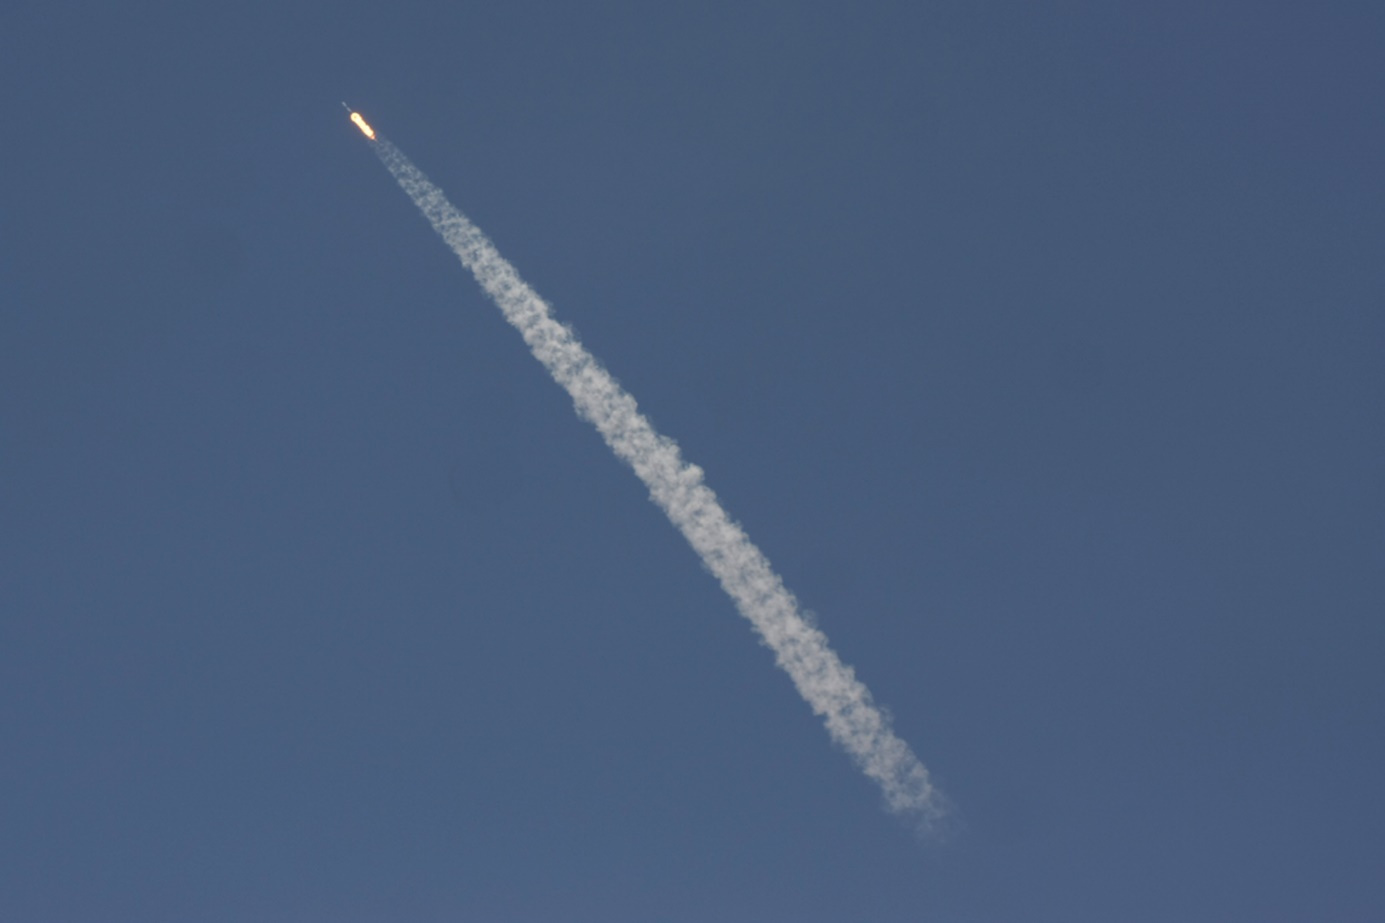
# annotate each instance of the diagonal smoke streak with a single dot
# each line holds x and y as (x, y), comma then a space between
(827, 684)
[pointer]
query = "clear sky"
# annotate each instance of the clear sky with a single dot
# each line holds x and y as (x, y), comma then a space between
(1040, 347)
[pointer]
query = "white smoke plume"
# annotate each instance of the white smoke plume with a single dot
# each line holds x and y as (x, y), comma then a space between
(828, 685)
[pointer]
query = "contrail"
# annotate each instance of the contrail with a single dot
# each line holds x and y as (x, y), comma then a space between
(853, 720)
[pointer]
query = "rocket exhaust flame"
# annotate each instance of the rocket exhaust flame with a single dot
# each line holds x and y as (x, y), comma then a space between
(676, 486)
(361, 124)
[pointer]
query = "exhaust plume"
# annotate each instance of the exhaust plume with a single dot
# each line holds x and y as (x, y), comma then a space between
(829, 686)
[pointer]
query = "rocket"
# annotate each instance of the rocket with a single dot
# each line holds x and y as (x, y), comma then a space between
(360, 122)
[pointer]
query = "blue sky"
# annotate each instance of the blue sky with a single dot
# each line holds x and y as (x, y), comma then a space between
(1038, 348)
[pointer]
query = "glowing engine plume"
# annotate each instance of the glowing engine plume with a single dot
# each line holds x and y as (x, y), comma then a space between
(827, 684)
(360, 122)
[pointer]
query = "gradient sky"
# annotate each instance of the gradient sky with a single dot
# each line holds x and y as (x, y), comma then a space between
(1041, 348)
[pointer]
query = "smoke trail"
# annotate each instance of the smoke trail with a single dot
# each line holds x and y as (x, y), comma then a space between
(828, 685)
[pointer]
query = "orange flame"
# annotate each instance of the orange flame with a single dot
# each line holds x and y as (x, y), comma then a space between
(360, 123)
